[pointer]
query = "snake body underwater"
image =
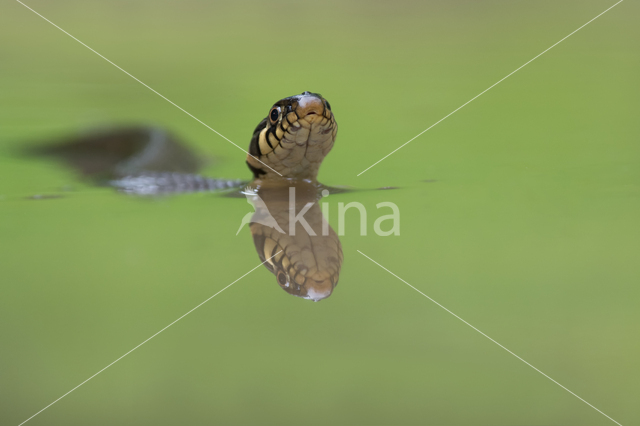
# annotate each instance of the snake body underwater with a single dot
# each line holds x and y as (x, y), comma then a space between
(286, 150)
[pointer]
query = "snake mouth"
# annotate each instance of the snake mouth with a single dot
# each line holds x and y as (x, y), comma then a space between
(310, 107)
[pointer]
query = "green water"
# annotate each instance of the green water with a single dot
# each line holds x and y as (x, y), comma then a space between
(527, 228)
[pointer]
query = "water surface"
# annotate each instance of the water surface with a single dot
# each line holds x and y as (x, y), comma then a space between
(519, 213)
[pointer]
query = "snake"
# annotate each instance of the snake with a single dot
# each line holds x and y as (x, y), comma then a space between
(286, 150)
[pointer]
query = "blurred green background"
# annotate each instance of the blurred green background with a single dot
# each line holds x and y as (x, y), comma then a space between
(527, 226)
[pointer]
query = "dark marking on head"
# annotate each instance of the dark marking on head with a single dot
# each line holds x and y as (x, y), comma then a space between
(254, 146)
(256, 171)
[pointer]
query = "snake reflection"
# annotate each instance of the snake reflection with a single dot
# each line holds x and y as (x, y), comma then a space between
(289, 224)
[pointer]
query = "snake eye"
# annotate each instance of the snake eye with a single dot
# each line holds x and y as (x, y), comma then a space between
(274, 114)
(282, 278)
(328, 105)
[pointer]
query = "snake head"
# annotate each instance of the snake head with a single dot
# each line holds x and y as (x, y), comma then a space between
(293, 139)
